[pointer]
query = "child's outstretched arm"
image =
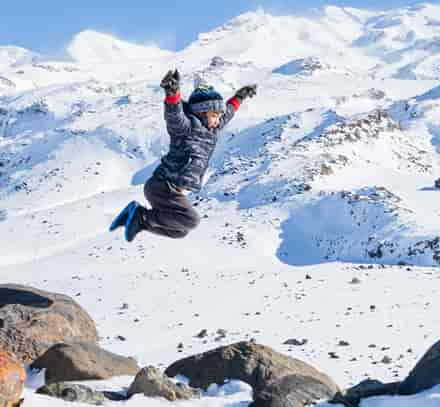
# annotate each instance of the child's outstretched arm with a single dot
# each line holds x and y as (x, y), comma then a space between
(177, 122)
(233, 104)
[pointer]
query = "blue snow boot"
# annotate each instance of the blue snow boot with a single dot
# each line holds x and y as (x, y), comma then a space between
(135, 222)
(121, 219)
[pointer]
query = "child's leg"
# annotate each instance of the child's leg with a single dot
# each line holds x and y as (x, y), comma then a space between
(173, 234)
(172, 213)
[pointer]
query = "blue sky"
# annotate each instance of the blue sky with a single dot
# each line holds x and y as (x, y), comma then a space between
(48, 25)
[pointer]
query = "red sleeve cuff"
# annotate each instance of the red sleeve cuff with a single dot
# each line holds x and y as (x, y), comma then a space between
(173, 99)
(234, 102)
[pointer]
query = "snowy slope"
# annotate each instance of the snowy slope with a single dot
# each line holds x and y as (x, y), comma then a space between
(246, 37)
(11, 61)
(328, 172)
(405, 41)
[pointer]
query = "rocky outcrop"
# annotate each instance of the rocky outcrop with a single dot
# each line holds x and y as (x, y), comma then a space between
(249, 362)
(32, 320)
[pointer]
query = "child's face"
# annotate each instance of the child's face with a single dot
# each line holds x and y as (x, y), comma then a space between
(213, 119)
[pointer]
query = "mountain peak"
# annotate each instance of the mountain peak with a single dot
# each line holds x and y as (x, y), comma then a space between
(11, 56)
(251, 16)
(91, 46)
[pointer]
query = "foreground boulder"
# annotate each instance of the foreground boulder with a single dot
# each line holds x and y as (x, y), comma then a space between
(12, 378)
(353, 396)
(73, 392)
(83, 361)
(31, 321)
(152, 383)
(292, 391)
(249, 362)
(426, 373)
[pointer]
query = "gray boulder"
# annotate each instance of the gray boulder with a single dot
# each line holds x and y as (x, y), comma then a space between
(152, 383)
(73, 392)
(83, 361)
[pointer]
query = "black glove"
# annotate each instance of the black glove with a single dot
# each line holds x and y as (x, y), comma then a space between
(171, 83)
(245, 92)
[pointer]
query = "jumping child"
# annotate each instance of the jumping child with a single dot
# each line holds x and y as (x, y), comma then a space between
(193, 127)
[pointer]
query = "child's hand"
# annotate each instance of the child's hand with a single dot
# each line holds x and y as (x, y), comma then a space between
(171, 83)
(245, 92)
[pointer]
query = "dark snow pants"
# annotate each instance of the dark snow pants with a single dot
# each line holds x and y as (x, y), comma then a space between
(171, 213)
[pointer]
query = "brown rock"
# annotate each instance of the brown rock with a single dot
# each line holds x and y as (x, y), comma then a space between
(152, 383)
(249, 362)
(83, 361)
(31, 321)
(12, 378)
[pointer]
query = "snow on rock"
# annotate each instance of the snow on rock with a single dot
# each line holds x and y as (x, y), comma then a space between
(233, 394)
(72, 392)
(361, 226)
(430, 398)
(307, 67)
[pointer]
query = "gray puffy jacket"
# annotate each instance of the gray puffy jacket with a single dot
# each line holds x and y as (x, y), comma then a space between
(191, 145)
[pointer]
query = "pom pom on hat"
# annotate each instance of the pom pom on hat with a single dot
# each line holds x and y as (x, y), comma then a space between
(205, 98)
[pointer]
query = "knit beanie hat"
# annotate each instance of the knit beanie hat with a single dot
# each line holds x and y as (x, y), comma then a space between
(205, 98)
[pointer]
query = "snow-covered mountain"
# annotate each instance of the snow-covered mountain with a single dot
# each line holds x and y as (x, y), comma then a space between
(249, 36)
(15, 56)
(94, 47)
(331, 167)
